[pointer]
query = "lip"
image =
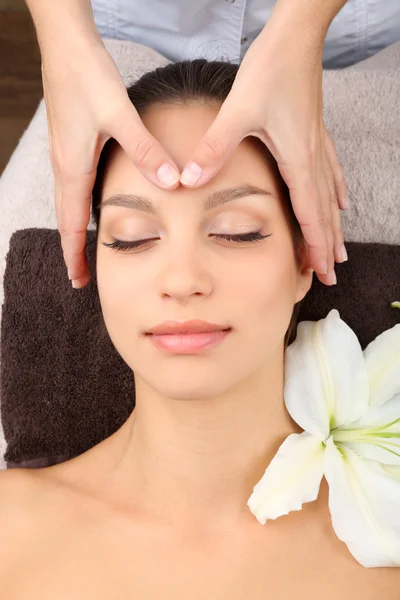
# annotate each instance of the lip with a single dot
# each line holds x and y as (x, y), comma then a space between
(188, 343)
(186, 327)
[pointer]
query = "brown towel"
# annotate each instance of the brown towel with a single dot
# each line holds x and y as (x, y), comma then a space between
(64, 387)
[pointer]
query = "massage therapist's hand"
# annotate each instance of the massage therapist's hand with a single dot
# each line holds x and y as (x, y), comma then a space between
(277, 97)
(87, 103)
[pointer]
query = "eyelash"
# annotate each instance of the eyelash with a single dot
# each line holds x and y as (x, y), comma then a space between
(252, 236)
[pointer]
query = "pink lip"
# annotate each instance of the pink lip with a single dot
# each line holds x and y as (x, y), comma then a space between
(188, 343)
(193, 326)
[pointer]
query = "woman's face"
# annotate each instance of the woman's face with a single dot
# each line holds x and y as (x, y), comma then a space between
(188, 272)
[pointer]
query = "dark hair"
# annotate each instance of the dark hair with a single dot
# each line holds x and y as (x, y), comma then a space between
(185, 83)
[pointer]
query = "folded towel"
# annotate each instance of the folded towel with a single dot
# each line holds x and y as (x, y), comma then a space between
(64, 386)
(360, 110)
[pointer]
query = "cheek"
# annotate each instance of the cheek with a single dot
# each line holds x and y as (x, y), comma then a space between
(267, 289)
(119, 295)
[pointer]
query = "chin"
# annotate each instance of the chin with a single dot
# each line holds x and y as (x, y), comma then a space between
(188, 383)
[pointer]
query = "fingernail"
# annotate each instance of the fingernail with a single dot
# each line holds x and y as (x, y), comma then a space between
(167, 174)
(74, 283)
(69, 276)
(191, 173)
(323, 267)
(343, 253)
(346, 201)
(333, 277)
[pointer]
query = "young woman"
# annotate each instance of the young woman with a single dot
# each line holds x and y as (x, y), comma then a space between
(159, 508)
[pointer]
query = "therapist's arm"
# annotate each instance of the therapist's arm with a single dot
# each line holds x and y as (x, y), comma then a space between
(52, 17)
(86, 104)
(316, 15)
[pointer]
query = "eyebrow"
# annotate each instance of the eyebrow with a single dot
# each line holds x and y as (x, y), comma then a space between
(213, 200)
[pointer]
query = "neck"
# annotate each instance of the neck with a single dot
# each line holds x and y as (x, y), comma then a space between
(191, 460)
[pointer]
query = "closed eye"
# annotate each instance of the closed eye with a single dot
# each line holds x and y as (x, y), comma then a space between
(252, 236)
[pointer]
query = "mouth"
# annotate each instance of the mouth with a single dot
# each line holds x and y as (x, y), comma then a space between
(189, 342)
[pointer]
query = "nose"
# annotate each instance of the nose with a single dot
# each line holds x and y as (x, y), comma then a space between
(185, 275)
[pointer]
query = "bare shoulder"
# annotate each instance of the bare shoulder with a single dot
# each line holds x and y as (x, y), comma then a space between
(17, 502)
(14, 485)
(25, 490)
(32, 501)
(18, 490)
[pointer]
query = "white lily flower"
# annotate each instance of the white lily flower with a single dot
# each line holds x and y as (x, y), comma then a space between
(348, 403)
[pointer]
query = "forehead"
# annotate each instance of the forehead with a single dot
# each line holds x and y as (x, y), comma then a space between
(179, 129)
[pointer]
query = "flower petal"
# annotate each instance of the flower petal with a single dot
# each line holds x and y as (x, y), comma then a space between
(292, 478)
(380, 415)
(376, 435)
(384, 451)
(392, 470)
(382, 359)
(326, 382)
(364, 502)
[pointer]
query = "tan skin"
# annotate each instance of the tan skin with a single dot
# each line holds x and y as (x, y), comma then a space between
(158, 509)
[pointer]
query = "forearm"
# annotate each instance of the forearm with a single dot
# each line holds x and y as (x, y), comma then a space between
(306, 18)
(320, 11)
(55, 18)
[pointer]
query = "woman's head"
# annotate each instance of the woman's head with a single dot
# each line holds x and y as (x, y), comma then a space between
(187, 271)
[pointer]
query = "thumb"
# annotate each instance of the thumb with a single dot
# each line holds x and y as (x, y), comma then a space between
(148, 155)
(214, 149)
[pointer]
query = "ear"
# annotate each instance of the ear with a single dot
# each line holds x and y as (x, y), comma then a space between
(304, 273)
